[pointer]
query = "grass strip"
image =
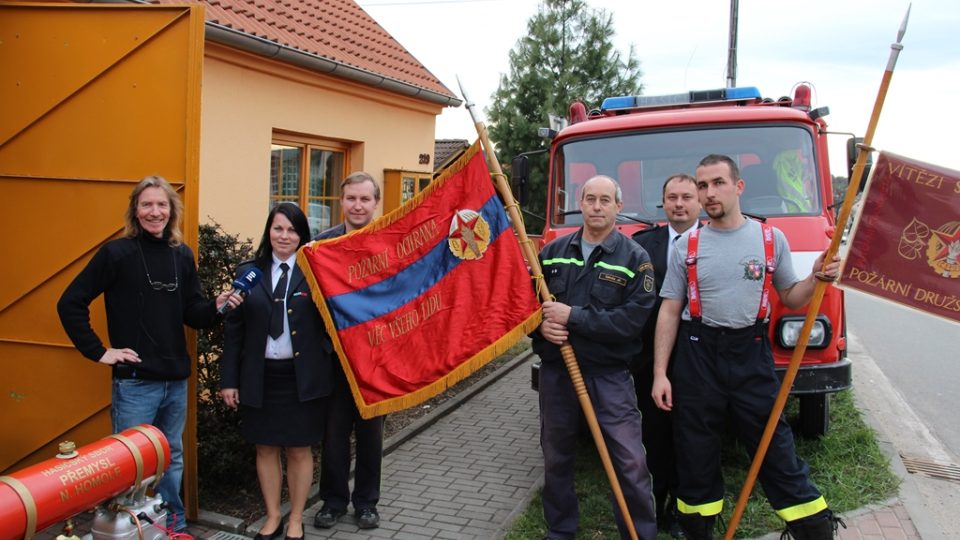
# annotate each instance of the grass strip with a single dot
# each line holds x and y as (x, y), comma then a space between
(847, 465)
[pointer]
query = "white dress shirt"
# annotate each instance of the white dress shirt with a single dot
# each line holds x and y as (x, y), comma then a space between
(674, 236)
(281, 348)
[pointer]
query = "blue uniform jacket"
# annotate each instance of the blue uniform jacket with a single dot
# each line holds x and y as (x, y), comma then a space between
(242, 363)
(611, 296)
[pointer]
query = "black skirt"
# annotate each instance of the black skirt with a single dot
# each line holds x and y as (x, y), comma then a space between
(283, 420)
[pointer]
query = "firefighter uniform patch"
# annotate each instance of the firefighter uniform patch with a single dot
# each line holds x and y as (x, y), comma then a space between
(613, 278)
(645, 266)
(648, 283)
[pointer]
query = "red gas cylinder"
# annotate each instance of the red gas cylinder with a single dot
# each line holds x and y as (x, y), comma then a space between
(39, 496)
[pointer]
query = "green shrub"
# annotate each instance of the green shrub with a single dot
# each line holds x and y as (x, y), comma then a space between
(226, 462)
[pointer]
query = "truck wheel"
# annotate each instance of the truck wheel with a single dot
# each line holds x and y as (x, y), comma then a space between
(814, 415)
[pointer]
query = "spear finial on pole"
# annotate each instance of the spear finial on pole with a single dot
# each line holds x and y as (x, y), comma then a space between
(467, 102)
(821, 286)
(903, 25)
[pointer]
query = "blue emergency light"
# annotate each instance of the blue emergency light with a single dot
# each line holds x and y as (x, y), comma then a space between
(623, 103)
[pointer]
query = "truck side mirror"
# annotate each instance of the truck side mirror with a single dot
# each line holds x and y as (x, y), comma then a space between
(519, 174)
(852, 153)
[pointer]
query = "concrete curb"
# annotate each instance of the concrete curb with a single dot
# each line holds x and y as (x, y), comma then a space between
(221, 522)
(881, 389)
(508, 523)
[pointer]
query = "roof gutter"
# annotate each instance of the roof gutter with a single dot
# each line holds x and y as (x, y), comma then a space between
(269, 49)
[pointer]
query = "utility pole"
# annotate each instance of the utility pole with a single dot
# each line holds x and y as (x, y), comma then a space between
(732, 49)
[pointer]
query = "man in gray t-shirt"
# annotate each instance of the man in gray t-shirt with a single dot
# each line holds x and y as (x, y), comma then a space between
(730, 280)
(723, 361)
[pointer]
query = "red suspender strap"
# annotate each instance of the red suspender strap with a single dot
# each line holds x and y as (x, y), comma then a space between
(771, 267)
(693, 292)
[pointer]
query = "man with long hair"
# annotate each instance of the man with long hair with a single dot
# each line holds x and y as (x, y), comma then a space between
(149, 282)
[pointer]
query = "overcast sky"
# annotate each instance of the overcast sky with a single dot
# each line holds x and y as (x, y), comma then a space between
(840, 46)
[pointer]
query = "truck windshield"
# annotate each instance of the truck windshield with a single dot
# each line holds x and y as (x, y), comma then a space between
(777, 165)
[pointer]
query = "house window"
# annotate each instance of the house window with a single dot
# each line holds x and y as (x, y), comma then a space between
(401, 186)
(308, 173)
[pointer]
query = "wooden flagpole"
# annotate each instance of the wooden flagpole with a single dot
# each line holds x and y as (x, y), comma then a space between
(569, 358)
(821, 286)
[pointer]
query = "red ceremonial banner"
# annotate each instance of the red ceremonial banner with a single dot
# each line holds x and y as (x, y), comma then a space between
(427, 294)
(906, 242)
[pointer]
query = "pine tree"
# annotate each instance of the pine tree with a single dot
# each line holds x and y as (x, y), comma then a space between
(567, 55)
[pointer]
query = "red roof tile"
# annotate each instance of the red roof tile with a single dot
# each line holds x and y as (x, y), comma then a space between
(339, 30)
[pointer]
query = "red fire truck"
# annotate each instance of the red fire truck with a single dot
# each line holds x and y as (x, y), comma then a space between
(781, 148)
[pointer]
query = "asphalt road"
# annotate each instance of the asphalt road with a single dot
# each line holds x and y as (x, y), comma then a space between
(905, 370)
(919, 353)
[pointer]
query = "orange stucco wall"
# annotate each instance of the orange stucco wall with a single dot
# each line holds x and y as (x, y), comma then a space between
(245, 98)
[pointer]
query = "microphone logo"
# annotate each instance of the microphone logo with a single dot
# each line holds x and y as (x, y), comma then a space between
(243, 284)
(248, 280)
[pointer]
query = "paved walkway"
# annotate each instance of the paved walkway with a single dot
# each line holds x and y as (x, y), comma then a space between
(468, 473)
(464, 476)
(886, 521)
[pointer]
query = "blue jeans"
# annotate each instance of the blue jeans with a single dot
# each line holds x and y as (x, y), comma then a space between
(162, 404)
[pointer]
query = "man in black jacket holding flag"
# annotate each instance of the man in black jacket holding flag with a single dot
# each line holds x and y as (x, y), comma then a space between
(604, 288)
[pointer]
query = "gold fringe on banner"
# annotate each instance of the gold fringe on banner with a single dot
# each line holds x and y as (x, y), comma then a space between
(459, 373)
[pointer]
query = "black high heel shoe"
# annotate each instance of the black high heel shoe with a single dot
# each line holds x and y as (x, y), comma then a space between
(272, 536)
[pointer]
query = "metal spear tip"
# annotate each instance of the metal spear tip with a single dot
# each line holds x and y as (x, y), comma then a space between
(903, 25)
(466, 99)
(468, 103)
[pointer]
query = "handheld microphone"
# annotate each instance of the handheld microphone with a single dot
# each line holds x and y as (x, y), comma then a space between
(242, 285)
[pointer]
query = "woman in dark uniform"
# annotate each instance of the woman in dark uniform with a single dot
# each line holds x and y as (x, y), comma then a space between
(276, 367)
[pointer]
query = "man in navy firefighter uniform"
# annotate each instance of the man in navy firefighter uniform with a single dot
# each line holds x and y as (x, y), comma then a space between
(723, 362)
(604, 288)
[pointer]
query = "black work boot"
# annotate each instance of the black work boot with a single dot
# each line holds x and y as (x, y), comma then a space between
(820, 526)
(696, 526)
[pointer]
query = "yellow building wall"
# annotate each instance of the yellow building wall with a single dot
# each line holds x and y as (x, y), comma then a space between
(246, 98)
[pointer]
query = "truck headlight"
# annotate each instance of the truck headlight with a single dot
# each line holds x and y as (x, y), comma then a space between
(788, 332)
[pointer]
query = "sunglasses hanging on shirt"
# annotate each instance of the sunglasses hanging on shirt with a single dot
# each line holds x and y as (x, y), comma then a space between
(159, 285)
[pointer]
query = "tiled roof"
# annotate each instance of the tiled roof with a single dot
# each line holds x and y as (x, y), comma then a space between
(338, 30)
(445, 150)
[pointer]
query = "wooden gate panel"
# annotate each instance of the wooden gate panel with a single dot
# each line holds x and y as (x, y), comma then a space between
(124, 120)
(92, 98)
